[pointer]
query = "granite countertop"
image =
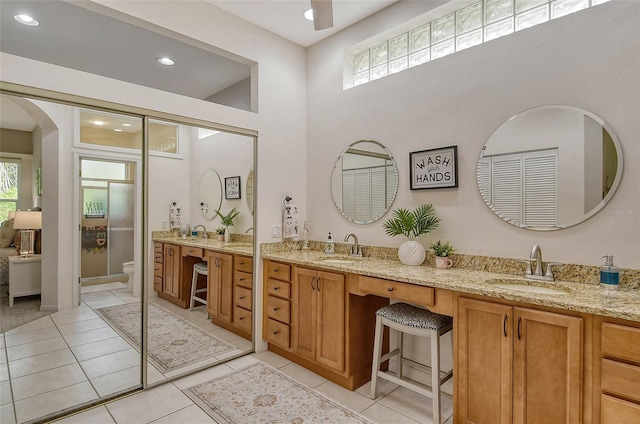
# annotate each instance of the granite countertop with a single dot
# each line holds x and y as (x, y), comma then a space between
(242, 248)
(587, 298)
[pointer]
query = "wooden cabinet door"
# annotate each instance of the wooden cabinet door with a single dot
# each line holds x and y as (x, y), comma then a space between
(330, 323)
(304, 313)
(213, 284)
(225, 287)
(171, 279)
(547, 367)
(484, 334)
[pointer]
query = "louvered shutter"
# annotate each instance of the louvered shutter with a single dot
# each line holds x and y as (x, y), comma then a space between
(540, 188)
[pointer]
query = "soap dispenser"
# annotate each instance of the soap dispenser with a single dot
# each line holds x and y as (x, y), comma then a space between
(329, 245)
(609, 274)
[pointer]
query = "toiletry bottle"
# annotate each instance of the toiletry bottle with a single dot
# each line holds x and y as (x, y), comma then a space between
(329, 245)
(609, 274)
(194, 232)
(305, 237)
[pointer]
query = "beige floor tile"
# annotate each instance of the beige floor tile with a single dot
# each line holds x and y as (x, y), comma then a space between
(3, 355)
(99, 348)
(113, 362)
(384, 388)
(272, 359)
(225, 335)
(202, 376)
(73, 315)
(44, 322)
(7, 416)
(414, 405)
(153, 375)
(117, 381)
(380, 414)
(149, 405)
(97, 304)
(98, 415)
(90, 336)
(6, 397)
(36, 348)
(4, 372)
(2, 340)
(352, 400)
(126, 296)
(80, 326)
(46, 381)
(303, 375)
(191, 414)
(54, 401)
(38, 363)
(31, 336)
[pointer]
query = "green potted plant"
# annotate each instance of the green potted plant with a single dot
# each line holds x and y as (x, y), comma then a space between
(227, 221)
(442, 251)
(220, 232)
(411, 224)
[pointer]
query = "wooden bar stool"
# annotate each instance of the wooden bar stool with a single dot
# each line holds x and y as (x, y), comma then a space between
(410, 319)
(199, 268)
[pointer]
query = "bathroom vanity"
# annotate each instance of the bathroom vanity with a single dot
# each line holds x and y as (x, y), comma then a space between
(518, 355)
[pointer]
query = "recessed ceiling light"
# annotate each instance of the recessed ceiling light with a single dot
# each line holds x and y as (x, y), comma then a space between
(26, 20)
(308, 14)
(117, 130)
(98, 122)
(126, 125)
(165, 61)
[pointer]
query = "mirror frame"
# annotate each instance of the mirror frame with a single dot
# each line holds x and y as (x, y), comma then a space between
(335, 169)
(596, 208)
(209, 213)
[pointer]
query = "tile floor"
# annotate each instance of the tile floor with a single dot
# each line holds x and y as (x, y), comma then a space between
(72, 357)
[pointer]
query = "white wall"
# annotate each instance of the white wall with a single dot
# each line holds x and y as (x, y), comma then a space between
(460, 100)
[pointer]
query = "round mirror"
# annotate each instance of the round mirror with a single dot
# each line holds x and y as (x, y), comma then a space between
(549, 168)
(210, 193)
(249, 190)
(364, 182)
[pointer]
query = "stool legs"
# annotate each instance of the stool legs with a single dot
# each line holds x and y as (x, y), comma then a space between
(195, 290)
(377, 353)
(435, 375)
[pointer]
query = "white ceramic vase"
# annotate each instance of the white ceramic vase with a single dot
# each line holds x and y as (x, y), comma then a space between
(227, 235)
(411, 253)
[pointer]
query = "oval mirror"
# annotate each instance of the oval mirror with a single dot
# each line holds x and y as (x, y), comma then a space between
(210, 193)
(364, 182)
(549, 168)
(249, 190)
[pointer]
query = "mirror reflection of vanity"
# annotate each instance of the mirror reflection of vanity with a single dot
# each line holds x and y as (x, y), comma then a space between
(364, 182)
(549, 168)
(210, 193)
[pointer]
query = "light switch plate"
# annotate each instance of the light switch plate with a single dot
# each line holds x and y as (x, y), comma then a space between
(276, 231)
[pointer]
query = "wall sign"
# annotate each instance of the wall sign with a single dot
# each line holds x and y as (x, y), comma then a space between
(232, 187)
(434, 168)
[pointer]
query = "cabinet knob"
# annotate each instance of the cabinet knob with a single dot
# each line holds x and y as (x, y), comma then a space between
(240, 319)
(241, 279)
(275, 269)
(241, 263)
(275, 309)
(275, 333)
(241, 297)
(276, 288)
(390, 289)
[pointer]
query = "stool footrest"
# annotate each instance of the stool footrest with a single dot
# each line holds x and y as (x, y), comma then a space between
(200, 291)
(389, 355)
(416, 387)
(199, 299)
(426, 368)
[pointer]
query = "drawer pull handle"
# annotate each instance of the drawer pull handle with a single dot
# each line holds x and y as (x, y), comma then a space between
(504, 326)
(318, 283)
(313, 279)
(240, 319)
(275, 309)
(241, 279)
(275, 269)
(275, 333)
(241, 297)
(276, 288)
(390, 289)
(519, 325)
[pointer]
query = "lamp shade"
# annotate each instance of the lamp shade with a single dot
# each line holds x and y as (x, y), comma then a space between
(27, 220)
(11, 215)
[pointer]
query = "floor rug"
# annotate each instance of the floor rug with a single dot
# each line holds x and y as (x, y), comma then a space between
(173, 342)
(262, 394)
(24, 310)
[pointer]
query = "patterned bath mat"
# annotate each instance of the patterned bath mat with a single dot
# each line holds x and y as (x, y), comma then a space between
(262, 394)
(173, 342)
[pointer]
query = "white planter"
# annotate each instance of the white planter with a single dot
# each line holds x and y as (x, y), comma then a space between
(411, 253)
(227, 235)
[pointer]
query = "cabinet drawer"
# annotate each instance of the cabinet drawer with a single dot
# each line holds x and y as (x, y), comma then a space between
(159, 257)
(619, 341)
(242, 319)
(157, 284)
(618, 411)
(279, 271)
(395, 290)
(243, 263)
(279, 288)
(279, 309)
(157, 247)
(243, 279)
(278, 333)
(191, 251)
(243, 297)
(157, 269)
(621, 379)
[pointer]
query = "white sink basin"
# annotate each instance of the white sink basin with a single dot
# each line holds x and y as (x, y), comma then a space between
(529, 287)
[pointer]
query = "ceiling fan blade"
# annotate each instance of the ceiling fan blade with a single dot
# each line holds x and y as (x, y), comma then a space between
(322, 14)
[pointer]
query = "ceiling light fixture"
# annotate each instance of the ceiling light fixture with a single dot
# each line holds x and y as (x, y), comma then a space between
(165, 61)
(117, 130)
(98, 122)
(308, 14)
(26, 20)
(126, 125)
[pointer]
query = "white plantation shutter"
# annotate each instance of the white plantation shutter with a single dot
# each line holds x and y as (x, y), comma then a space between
(378, 192)
(483, 175)
(506, 191)
(541, 199)
(348, 193)
(362, 195)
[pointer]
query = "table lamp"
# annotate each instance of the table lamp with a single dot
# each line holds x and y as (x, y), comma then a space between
(11, 215)
(27, 221)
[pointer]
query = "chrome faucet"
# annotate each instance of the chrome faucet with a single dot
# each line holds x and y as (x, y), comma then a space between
(250, 229)
(204, 230)
(355, 249)
(536, 253)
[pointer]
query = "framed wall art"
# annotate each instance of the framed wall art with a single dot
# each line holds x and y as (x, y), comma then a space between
(434, 168)
(232, 187)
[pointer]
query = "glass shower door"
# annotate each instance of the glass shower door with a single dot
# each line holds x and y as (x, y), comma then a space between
(121, 224)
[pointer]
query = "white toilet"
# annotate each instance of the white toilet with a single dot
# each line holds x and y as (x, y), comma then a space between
(132, 286)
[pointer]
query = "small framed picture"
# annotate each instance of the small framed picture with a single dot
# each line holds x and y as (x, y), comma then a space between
(434, 168)
(232, 187)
